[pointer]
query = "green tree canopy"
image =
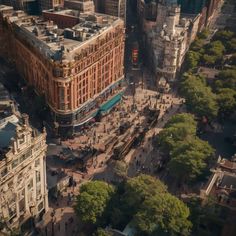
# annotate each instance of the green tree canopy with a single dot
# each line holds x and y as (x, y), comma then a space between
(186, 118)
(93, 201)
(197, 44)
(199, 98)
(227, 79)
(224, 35)
(178, 128)
(102, 232)
(135, 191)
(120, 168)
(231, 45)
(204, 34)
(216, 48)
(226, 99)
(192, 59)
(163, 213)
(213, 53)
(189, 158)
(209, 59)
(140, 187)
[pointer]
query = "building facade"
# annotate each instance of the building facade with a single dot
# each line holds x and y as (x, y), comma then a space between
(79, 70)
(30, 6)
(168, 35)
(50, 4)
(168, 40)
(24, 196)
(112, 7)
(85, 6)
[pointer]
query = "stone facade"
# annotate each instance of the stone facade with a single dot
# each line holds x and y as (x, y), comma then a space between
(167, 38)
(23, 187)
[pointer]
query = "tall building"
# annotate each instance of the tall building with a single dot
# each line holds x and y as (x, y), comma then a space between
(30, 6)
(192, 6)
(50, 4)
(23, 188)
(79, 70)
(111, 7)
(167, 40)
(85, 6)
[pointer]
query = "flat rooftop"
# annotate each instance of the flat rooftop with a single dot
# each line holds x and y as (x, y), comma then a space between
(55, 43)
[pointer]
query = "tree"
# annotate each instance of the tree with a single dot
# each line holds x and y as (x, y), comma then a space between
(199, 98)
(120, 169)
(135, 191)
(231, 45)
(224, 35)
(139, 188)
(209, 60)
(226, 99)
(214, 53)
(163, 213)
(197, 45)
(186, 118)
(204, 34)
(227, 79)
(192, 59)
(93, 201)
(216, 48)
(178, 128)
(206, 215)
(189, 158)
(102, 232)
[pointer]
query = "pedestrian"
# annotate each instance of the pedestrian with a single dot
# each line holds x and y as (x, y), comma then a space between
(66, 225)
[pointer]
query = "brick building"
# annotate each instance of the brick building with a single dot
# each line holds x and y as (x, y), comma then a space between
(79, 70)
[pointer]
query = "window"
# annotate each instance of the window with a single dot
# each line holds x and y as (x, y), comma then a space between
(40, 206)
(14, 163)
(37, 176)
(38, 190)
(30, 184)
(37, 163)
(4, 172)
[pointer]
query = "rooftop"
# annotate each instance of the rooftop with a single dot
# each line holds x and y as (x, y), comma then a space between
(228, 181)
(228, 164)
(58, 44)
(6, 134)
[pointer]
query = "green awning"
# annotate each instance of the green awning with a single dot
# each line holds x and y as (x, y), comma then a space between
(111, 103)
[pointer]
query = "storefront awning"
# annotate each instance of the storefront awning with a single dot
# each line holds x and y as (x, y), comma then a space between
(111, 103)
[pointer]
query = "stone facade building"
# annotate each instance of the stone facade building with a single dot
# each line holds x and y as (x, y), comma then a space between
(78, 70)
(23, 188)
(168, 35)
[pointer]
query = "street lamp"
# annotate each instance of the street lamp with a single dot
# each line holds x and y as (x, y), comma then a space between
(133, 93)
